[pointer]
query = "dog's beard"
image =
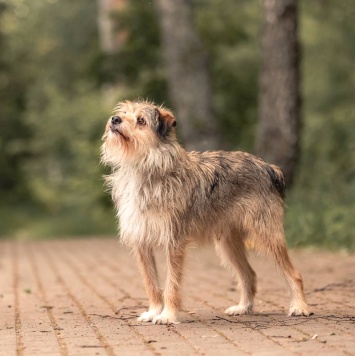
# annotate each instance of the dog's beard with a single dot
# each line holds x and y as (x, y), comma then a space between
(121, 148)
(115, 148)
(119, 132)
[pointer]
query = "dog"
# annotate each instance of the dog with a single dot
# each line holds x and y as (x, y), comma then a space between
(170, 198)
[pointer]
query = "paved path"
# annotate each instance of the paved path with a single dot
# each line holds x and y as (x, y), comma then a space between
(81, 297)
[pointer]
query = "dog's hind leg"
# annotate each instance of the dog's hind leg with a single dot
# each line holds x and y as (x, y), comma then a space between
(147, 266)
(231, 250)
(276, 249)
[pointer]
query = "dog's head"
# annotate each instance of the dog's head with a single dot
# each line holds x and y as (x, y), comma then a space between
(134, 129)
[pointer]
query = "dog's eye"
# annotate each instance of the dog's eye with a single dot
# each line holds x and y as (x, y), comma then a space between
(140, 121)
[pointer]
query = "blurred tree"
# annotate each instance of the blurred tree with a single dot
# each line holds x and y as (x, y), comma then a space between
(278, 133)
(322, 201)
(135, 63)
(111, 40)
(188, 77)
(230, 31)
(14, 132)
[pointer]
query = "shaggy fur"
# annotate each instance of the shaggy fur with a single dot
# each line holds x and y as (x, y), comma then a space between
(167, 197)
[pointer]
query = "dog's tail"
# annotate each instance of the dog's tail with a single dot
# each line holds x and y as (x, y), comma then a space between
(277, 178)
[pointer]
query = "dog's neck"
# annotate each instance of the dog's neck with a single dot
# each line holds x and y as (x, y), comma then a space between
(163, 159)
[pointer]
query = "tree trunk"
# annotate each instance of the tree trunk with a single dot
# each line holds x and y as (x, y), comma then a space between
(279, 101)
(110, 39)
(188, 79)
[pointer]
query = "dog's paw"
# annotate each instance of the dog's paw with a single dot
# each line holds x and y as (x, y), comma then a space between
(239, 309)
(299, 311)
(149, 315)
(166, 318)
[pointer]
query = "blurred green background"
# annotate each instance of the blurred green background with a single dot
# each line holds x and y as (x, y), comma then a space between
(57, 88)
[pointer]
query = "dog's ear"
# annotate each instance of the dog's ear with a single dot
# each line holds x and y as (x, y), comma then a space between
(166, 121)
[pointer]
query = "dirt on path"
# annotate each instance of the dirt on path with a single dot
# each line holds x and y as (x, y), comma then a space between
(82, 297)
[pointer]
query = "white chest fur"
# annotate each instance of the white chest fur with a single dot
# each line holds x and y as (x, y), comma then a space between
(145, 208)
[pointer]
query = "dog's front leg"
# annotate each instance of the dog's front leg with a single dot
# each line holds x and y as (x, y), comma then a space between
(146, 263)
(172, 292)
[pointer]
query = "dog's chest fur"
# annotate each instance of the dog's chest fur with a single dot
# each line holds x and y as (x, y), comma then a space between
(147, 206)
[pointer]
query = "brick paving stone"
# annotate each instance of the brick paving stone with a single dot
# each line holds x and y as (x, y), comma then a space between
(82, 297)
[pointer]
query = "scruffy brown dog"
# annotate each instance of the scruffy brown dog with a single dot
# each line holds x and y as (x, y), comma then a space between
(170, 198)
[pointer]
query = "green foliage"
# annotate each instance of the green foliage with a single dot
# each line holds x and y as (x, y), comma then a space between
(53, 113)
(66, 148)
(320, 220)
(322, 203)
(54, 52)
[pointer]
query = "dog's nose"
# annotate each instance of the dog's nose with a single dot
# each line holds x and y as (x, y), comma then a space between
(115, 120)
